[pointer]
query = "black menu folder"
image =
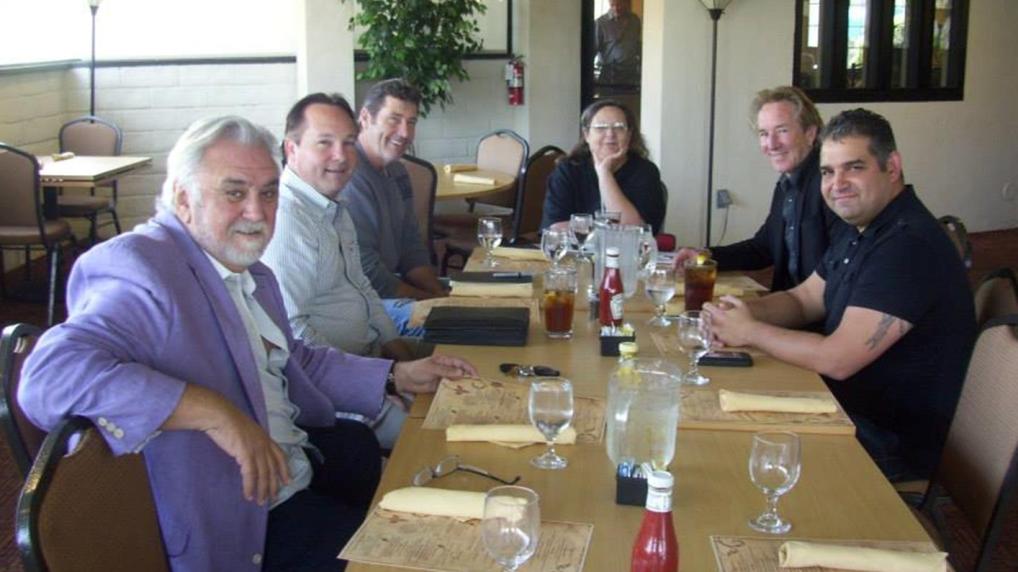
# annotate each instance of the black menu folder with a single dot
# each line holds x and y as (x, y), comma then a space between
(477, 326)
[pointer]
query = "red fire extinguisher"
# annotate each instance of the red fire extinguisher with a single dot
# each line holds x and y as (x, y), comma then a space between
(514, 80)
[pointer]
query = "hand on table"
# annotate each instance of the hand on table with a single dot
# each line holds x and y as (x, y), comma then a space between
(423, 375)
(730, 321)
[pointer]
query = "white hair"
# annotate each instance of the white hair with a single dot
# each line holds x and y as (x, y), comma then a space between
(185, 159)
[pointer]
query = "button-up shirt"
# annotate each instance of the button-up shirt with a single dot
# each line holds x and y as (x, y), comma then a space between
(316, 258)
(269, 346)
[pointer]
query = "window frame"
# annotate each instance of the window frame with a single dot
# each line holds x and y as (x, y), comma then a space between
(878, 60)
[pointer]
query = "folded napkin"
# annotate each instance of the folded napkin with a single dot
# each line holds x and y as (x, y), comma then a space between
(472, 179)
(62, 156)
(459, 167)
(491, 290)
(438, 502)
(513, 434)
(794, 554)
(733, 401)
(518, 253)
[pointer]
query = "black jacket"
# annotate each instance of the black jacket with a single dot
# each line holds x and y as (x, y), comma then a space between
(818, 225)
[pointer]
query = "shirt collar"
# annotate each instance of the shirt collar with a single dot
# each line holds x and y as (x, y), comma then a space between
(307, 194)
(889, 215)
(247, 282)
(797, 176)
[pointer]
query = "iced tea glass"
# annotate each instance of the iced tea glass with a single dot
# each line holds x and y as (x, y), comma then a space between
(558, 301)
(699, 278)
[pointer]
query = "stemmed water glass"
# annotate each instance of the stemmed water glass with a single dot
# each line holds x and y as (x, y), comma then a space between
(695, 340)
(551, 411)
(660, 287)
(489, 235)
(581, 232)
(646, 258)
(774, 466)
(511, 525)
(554, 245)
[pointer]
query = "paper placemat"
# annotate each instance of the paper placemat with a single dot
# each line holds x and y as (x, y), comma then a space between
(701, 410)
(746, 554)
(444, 544)
(476, 264)
(491, 401)
(423, 307)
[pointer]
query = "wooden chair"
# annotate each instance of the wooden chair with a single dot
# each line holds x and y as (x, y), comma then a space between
(86, 509)
(90, 135)
(23, 438)
(530, 200)
(22, 225)
(979, 465)
(959, 236)
(424, 182)
(996, 295)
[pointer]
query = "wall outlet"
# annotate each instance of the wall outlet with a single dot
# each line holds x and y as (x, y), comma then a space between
(723, 199)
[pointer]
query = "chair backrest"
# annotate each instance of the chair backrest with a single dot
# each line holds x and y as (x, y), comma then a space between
(979, 466)
(503, 151)
(997, 295)
(20, 203)
(23, 438)
(530, 201)
(959, 236)
(424, 182)
(91, 135)
(88, 510)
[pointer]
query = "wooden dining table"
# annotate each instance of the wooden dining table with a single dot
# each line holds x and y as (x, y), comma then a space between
(841, 494)
(449, 189)
(81, 171)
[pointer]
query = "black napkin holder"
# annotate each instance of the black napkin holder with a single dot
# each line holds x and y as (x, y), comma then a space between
(610, 344)
(630, 490)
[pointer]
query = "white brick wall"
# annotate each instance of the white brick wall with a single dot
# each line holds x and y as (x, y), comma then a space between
(154, 104)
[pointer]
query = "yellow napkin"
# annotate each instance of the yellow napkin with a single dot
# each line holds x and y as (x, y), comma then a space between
(438, 502)
(733, 401)
(508, 434)
(491, 289)
(62, 156)
(794, 554)
(459, 167)
(472, 179)
(518, 253)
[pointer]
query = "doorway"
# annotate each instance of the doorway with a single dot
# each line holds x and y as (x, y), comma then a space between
(612, 37)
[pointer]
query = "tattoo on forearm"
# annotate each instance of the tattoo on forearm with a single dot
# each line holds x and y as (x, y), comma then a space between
(885, 324)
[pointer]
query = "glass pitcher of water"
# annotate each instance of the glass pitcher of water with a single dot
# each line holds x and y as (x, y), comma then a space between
(644, 402)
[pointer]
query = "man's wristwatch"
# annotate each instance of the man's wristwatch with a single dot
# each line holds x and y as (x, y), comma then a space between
(390, 381)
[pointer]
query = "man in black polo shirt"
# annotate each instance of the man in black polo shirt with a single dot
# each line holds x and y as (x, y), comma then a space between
(799, 226)
(899, 322)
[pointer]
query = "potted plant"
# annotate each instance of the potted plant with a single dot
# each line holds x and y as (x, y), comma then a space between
(422, 41)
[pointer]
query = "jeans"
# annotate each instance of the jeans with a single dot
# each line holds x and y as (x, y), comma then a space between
(884, 447)
(400, 310)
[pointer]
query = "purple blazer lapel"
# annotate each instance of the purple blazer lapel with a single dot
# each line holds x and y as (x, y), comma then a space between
(227, 318)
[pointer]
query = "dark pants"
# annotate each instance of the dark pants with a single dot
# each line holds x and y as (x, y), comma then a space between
(308, 530)
(885, 448)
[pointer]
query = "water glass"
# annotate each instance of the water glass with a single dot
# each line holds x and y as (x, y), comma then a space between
(554, 245)
(489, 235)
(647, 257)
(551, 411)
(660, 288)
(580, 227)
(511, 525)
(774, 466)
(695, 340)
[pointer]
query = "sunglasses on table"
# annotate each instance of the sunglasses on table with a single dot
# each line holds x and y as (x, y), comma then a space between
(450, 465)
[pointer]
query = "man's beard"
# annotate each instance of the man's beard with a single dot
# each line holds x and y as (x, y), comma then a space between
(227, 252)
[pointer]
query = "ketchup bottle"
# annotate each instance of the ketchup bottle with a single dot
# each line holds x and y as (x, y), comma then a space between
(610, 297)
(656, 549)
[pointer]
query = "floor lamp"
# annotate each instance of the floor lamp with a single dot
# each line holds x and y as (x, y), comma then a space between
(93, 5)
(715, 8)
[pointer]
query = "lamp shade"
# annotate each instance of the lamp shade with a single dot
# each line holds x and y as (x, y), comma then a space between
(713, 4)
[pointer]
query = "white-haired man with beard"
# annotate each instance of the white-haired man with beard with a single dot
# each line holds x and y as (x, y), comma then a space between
(177, 345)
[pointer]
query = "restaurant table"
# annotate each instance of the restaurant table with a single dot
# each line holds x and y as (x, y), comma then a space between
(448, 189)
(81, 171)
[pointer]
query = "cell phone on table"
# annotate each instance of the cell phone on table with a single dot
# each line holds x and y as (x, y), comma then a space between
(723, 358)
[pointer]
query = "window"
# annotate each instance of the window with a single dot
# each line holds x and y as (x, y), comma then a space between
(880, 50)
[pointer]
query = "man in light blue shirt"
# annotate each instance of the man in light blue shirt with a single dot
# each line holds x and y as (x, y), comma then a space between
(380, 199)
(314, 252)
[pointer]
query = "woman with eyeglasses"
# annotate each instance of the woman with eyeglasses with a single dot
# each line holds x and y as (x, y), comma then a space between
(606, 170)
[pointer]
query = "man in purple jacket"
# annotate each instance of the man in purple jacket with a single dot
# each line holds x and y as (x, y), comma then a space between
(177, 345)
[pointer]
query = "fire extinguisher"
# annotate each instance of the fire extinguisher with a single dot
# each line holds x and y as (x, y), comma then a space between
(514, 80)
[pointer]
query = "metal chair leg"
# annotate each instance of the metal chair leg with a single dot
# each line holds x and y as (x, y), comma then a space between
(54, 259)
